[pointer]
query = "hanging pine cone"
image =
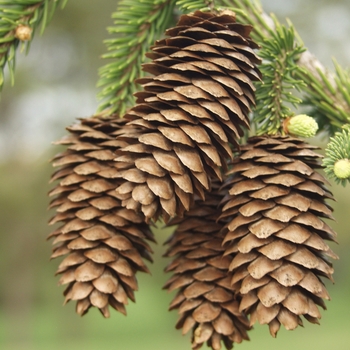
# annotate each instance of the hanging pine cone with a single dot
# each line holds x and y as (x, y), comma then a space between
(207, 303)
(275, 236)
(104, 243)
(193, 108)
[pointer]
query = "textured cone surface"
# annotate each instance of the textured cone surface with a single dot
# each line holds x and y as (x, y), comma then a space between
(191, 110)
(207, 303)
(274, 235)
(103, 243)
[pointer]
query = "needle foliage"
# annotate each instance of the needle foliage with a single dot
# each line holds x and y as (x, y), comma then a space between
(292, 79)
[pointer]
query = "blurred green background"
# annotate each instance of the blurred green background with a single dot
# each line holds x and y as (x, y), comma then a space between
(55, 84)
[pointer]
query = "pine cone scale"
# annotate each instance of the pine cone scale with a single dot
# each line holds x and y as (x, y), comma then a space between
(195, 103)
(104, 242)
(206, 301)
(280, 247)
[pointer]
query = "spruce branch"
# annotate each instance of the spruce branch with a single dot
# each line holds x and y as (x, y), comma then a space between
(329, 96)
(18, 21)
(137, 24)
(274, 94)
(326, 93)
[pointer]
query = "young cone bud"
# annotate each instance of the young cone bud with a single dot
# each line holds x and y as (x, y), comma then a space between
(342, 168)
(301, 125)
(193, 108)
(336, 162)
(103, 243)
(207, 303)
(275, 235)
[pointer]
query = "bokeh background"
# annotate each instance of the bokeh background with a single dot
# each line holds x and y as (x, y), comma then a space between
(55, 84)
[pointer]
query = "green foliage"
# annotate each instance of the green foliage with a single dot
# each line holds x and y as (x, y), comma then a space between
(326, 93)
(137, 24)
(17, 13)
(186, 6)
(329, 97)
(274, 94)
(338, 149)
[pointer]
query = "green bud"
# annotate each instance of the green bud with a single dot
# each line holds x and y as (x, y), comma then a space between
(301, 125)
(342, 169)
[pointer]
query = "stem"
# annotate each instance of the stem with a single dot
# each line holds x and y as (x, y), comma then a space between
(278, 87)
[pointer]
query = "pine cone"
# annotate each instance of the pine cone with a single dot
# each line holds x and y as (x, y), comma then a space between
(207, 303)
(275, 236)
(193, 108)
(104, 243)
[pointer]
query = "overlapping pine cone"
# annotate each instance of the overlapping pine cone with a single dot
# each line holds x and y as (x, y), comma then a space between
(191, 110)
(104, 244)
(275, 234)
(208, 305)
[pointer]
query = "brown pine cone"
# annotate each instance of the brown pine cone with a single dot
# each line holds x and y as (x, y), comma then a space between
(103, 242)
(207, 303)
(275, 236)
(192, 110)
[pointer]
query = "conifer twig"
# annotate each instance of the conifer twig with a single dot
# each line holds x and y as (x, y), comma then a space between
(137, 24)
(326, 93)
(18, 21)
(274, 94)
